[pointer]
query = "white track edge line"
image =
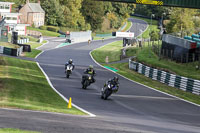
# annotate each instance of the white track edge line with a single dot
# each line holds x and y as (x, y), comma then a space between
(130, 26)
(138, 82)
(47, 78)
(39, 54)
(42, 44)
(38, 111)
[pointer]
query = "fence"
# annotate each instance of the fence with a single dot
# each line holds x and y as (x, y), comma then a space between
(22, 41)
(183, 83)
(34, 33)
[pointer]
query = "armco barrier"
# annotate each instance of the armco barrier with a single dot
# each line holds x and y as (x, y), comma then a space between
(11, 51)
(183, 83)
(7, 51)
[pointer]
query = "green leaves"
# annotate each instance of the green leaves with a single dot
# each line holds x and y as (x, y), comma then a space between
(181, 19)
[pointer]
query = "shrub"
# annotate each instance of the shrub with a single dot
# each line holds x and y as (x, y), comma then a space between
(52, 28)
(43, 27)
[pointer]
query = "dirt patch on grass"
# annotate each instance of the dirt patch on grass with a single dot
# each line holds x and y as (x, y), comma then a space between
(2, 62)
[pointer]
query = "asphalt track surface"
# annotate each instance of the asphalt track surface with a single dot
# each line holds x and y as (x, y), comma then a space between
(135, 108)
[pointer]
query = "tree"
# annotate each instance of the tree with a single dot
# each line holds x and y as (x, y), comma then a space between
(73, 16)
(154, 35)
(53, 12)
(93, 13)
(181, 19)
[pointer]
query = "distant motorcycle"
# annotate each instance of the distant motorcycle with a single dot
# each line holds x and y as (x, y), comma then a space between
(68, 70)
(86, 80)
(107, 90)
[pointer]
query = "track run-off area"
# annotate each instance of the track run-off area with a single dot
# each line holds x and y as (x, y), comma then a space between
(134, 108)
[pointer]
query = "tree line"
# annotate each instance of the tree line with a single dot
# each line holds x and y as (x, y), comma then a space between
(82, 14)
(176, 20)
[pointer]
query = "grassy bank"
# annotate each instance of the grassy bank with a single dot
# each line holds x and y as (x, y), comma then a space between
(143, 56)
(24, 86)
(9, 130)
(112, 51)
(44, 32)
(9, 45)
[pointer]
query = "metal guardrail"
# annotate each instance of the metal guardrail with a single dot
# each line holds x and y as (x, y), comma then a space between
(183, 83)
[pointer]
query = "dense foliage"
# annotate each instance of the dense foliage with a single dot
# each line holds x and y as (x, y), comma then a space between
(81, 14)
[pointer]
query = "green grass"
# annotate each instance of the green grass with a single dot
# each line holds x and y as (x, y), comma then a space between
(185, 69)
(24, 86)
(8, 45)
(112, 51)
(32, 54)
(10, 130)
(125, 71)
(44, 32)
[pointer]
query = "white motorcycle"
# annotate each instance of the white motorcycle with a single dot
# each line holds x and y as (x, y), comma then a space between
(68, 70)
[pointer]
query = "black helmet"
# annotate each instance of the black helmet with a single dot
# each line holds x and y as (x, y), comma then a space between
(116, 78)
(70, 61)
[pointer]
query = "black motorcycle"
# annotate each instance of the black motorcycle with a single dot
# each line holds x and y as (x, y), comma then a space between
(107, 90)
(86, 80)
(68, 70)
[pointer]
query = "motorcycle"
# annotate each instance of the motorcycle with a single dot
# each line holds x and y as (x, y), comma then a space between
(86, 80)
(68, 70)
(107, 90)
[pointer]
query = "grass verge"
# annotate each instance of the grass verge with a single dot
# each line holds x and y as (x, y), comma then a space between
(10, 130)
(112, 51)
(24, 86)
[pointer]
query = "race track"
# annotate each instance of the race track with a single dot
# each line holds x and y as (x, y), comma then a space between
(135, 108)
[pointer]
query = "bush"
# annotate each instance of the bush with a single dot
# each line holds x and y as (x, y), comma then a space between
(52, 28)
(43, 27)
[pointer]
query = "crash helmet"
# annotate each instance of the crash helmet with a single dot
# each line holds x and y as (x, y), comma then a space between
(116, 79)
(91, 66)
(70, 61)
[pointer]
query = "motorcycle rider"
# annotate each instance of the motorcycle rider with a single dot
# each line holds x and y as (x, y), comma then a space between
(91, 72)
(70, 62)
(114, 82)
